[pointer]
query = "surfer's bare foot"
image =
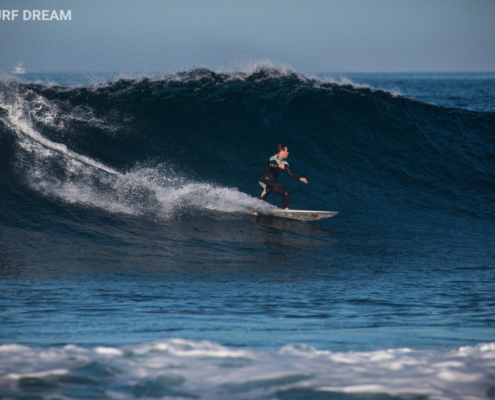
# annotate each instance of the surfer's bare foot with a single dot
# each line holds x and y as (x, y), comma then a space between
(287, 208)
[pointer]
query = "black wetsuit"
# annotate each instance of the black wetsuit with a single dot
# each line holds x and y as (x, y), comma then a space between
(268, 179)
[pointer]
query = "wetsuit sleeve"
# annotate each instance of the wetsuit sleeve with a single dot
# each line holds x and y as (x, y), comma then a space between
(290, 173)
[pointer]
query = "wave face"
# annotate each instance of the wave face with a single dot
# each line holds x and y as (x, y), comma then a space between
(150, 145)
(183, 369)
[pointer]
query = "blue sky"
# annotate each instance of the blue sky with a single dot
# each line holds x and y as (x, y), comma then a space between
(151, 36)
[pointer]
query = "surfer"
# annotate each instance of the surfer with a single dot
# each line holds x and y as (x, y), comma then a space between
(274, 167)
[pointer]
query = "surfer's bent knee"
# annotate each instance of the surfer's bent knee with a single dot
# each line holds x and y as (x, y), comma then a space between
(266, 190)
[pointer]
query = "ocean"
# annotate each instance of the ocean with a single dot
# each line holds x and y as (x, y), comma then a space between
(132, 267)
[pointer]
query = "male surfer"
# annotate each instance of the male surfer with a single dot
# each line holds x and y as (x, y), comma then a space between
(274, 167)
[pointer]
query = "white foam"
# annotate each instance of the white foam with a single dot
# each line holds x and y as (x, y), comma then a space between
(213, 371)
(26, 129)
(109, 351)
(185, 348)
(345, 81)
(39, 374)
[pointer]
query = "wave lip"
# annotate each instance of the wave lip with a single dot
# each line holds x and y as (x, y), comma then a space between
(178, 368)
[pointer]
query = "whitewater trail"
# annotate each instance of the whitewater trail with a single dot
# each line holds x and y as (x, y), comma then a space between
(115, 192)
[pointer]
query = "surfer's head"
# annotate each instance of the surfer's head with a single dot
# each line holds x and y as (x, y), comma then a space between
(282, 151)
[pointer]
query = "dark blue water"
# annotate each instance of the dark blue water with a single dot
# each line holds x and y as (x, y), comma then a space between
(127, 244)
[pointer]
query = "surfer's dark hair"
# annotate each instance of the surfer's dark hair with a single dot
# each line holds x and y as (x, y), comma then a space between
(280, 147)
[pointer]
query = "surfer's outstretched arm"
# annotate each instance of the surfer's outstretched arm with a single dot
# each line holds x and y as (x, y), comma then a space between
(293, 175)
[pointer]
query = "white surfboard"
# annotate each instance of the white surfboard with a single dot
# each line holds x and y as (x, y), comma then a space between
(301, 215)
